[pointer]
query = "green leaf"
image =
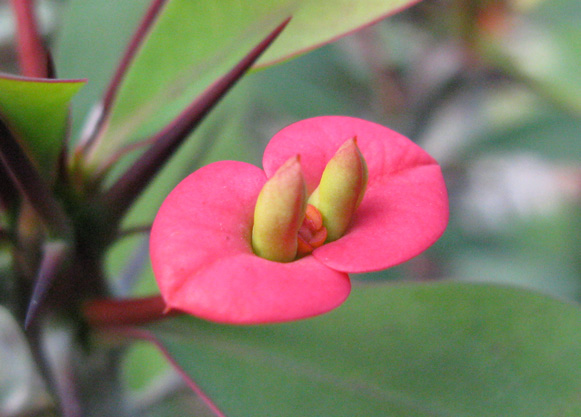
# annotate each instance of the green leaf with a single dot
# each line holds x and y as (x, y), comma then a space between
(316, 22)
(191, 44)
(142, 364)
(411, 350)
(36, 112)
(321, 82)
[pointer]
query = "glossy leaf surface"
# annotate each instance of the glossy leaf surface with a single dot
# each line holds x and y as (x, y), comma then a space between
(399, 351)
(321, 21)
(36, 111)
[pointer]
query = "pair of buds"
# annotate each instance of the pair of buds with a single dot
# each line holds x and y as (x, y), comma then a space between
(289, 224)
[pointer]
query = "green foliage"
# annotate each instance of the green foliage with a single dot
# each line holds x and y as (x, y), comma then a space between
(321, 21)
(192, 44)
(37, 113)
(398, 351)
(183, 54)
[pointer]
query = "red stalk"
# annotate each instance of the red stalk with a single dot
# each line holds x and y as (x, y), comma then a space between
(32, 55)
(105, 313)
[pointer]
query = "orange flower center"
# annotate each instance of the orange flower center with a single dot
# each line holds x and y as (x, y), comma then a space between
(312, 233)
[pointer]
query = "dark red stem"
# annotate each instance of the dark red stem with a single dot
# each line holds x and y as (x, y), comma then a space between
(32, 55)
(104, 313)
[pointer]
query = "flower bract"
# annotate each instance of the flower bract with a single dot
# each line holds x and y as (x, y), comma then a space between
(201, 240)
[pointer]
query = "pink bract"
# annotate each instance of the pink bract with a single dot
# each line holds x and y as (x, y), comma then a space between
(201, 239)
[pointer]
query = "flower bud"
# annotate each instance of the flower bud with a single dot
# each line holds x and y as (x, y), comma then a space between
(279, 213)
(341, 189)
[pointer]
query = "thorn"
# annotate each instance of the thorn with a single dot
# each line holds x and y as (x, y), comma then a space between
(54, 256)
(32, 53)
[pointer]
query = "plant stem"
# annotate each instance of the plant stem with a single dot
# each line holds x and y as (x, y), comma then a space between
(32, 55)
(103, 313)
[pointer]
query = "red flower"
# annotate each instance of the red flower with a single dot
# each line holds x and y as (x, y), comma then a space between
(201, 240)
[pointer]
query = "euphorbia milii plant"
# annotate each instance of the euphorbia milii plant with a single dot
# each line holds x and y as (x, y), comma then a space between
(232, 243)
(237, 244)
(338, 195)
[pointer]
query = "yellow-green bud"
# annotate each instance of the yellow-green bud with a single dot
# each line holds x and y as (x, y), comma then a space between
(279, 213)
(341, 189)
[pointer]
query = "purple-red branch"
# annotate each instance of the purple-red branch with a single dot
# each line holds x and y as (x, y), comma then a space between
(32, 56)
(106, 313)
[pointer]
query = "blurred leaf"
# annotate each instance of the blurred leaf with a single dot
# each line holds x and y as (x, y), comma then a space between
(544, 46)
(22, 391)
(37, 113)
(538, 249)
(547, 132)
(94, 33)
(191, 44)
(410, 350)
(320, 82)
(142, 364)
(555, 275)
(497, 118)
